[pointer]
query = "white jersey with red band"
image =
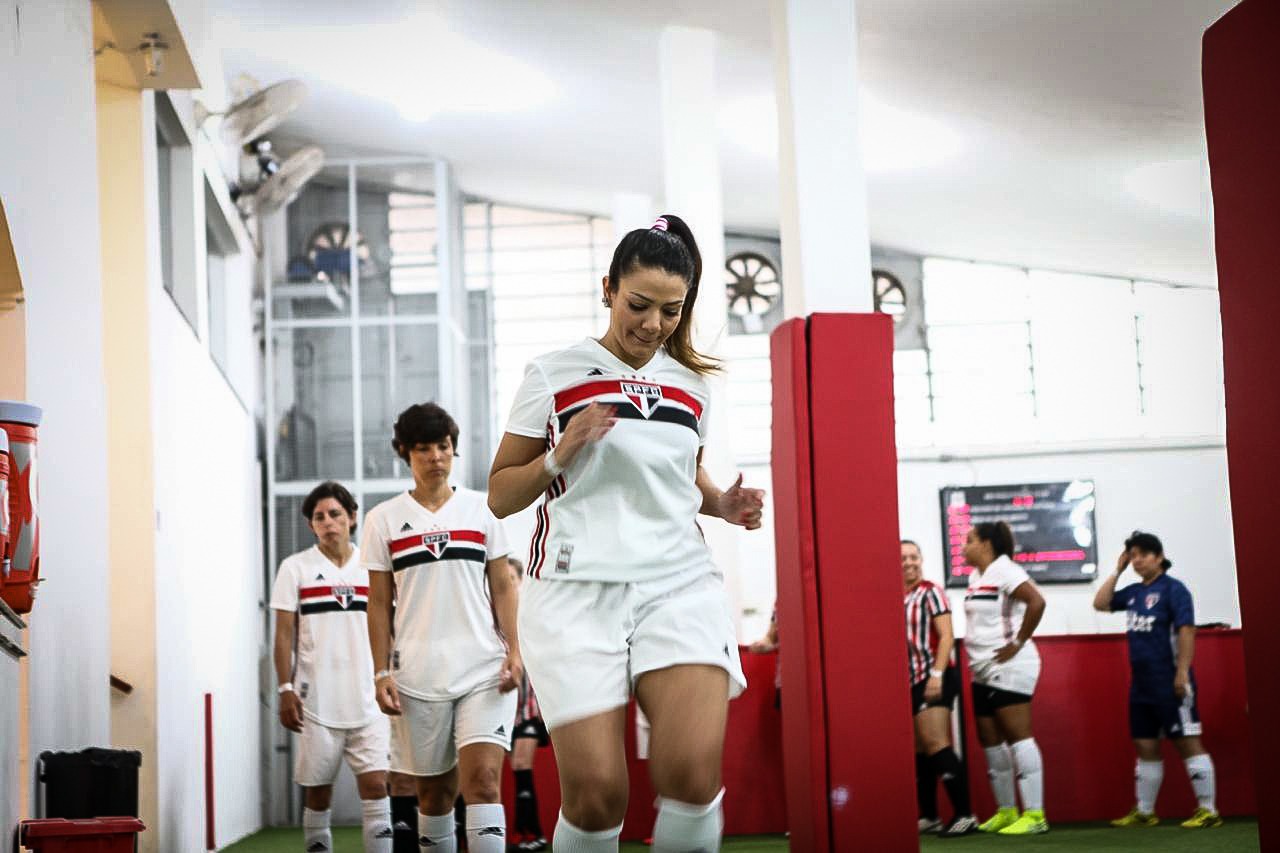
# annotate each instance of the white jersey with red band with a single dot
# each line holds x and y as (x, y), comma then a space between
(625, 509)
(446, 645)
(333, 673)
(993, 618)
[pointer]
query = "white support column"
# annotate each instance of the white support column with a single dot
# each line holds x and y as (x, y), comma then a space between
(826, 252)
(693, 191)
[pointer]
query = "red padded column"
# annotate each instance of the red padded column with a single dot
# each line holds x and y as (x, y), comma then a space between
(846, 715)
(1241, 90)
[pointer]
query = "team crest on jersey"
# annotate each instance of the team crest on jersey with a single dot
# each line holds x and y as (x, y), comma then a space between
(344, 595)
(1153, 598)
(643, 395)
(436, 542)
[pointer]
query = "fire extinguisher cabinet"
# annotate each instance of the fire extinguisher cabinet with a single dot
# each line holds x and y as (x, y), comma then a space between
(20, 423)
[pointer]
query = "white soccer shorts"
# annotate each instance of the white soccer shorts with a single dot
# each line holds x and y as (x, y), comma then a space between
(585, 643)
(427, 735)
(321, 749)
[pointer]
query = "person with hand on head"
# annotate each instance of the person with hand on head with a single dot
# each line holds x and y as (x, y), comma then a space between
(1002, 608)
(935, 684)
(1161, 630)
(437, 562)
(326, 688)
(621, 592)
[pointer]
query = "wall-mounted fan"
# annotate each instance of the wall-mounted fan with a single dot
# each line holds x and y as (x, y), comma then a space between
(256, 114)
(329, 251)
(752, 287)
(890, 296)
(280, 181)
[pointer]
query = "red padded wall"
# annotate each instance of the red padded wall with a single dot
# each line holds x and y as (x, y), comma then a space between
(1241, 90)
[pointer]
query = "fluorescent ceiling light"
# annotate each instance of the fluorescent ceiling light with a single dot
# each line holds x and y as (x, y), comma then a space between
(892, 139)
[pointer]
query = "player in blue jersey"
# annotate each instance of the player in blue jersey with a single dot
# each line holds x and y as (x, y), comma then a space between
(1162, 694)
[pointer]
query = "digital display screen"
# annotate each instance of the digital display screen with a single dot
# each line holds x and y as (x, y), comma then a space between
(1053, 529)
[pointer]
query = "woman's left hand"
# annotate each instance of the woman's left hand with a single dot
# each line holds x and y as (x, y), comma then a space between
(512, 672)
(1004, 654)
(742, 506)
(1181, 684)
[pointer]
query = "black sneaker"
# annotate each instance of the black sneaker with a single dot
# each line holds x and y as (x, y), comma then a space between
(959, 825)
(534, 844)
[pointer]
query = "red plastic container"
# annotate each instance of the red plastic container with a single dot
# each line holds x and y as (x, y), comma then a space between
(4, 505)
(99, 835)
(22, 572)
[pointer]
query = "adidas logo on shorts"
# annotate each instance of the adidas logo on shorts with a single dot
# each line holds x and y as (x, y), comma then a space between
(502, 730)
(385, 832)
(492, 830)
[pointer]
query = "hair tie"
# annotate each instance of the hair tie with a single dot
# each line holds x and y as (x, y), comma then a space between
(659, 224)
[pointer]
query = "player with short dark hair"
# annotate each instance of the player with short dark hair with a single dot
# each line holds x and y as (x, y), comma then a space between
(1002, 609)
(1161, 630)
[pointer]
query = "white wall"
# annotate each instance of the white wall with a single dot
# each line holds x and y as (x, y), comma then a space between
(1178, 493)
(48, 179)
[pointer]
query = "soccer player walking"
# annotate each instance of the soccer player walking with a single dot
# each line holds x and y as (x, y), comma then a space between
(326, 691)
(622, 594)
(1003, 607)
(1162, 691)
(438, 558)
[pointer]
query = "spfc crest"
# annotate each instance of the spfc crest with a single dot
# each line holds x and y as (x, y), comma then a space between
(1153, 598)
(643, 395)
(436, 542)
(344, 595)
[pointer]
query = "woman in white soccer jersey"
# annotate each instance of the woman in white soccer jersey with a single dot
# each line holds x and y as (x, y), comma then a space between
(326, 693)
(438, 558)
(1002, 609)
(623, 594)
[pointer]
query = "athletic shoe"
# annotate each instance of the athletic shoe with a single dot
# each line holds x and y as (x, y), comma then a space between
(960, 825)
(999, 820)
(928, 825)
(1031, 823)
(534, 844)
(1203, 819)
(1136, 818)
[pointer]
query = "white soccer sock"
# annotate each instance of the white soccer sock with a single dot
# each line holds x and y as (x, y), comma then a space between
(1026, 756)
(1149, 775)
(1200, 769)
(375, 822)
(486, 828)
(1000, 772)
(685, 828)
(436, 833)
(315, 831)
(569, 839)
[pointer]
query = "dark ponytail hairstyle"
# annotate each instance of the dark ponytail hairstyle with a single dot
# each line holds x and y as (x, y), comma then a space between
(1151, 544)
(998, 534)
(669, 246)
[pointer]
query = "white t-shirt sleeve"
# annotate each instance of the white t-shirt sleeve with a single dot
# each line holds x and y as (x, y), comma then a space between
(1012, 577)
(532, 406)
(284, 593)
(375, 544)
(495, 537)
(704, 422)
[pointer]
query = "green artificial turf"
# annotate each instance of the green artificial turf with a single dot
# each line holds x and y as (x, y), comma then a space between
(1238, 836)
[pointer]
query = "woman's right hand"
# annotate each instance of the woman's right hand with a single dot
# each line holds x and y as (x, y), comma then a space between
(291, 711)
(1122, 562)
(387, 695)
(586, 427)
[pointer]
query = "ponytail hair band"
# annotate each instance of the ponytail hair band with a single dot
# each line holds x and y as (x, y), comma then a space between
(659, 224)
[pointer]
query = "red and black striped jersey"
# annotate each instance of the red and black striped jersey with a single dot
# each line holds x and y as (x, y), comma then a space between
(923, 603)
(626, 508)
(333, 672)
(446, 644)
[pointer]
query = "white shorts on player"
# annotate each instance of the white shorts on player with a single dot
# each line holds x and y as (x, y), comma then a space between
(321, 750)
(587, 642)
(426, 737)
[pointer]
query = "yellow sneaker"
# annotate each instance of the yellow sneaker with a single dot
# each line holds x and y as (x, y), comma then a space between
(1031, 823)
(999, 820)
(1203, 819)
(1136, 818)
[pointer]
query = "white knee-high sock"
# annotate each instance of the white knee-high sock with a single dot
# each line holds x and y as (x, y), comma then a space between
(685, 828)
(1149, 775)
(315, 831)
(1000, 772)
(1200, 769)
(375, 822)
(569, 839)
(486, 828)
(1030, 766)
(436, 833)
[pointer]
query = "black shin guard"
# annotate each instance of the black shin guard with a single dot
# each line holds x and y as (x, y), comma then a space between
(946, 764)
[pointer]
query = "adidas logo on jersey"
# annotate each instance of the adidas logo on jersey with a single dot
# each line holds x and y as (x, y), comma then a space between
(320, 577)
(595, 371)
(405, 527)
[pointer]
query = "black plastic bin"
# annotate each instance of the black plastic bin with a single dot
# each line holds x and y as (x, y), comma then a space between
(90, 783)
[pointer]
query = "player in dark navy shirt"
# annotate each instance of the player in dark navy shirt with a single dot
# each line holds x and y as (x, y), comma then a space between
(1160, 623)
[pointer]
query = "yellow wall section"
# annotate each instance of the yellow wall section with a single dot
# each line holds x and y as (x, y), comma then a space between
(122, 129)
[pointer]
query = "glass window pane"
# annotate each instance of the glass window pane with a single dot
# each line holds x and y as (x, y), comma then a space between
(1180, 339)
(292, 533)
(313, 436)
(399, 367)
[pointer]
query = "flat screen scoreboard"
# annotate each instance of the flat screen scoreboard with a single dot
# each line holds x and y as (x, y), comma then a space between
(1052, 524)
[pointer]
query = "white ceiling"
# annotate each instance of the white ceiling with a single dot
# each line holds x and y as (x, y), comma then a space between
(1076, 125)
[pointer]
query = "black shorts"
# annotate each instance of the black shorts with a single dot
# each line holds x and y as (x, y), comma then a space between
(1171, 717)
(986, 699)
(950, 690)
(532, 728)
